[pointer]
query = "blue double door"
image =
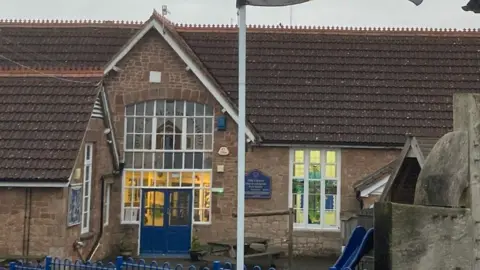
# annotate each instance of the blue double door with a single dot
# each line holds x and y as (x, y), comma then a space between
(166, 226)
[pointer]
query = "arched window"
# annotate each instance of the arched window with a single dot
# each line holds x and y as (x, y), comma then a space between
(168, 144)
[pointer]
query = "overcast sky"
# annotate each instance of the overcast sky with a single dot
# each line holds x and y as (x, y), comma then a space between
(393, 13)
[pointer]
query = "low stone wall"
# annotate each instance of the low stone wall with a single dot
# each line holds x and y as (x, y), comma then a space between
(420, 237)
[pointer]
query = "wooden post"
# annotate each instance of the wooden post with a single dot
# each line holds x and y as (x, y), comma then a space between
(290, 238)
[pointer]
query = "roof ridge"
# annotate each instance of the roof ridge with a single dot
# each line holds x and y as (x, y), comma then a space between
(68, 23)
(320, 28)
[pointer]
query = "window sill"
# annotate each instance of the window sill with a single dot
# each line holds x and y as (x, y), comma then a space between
(202, 223)
(87, 236)
(310, 229)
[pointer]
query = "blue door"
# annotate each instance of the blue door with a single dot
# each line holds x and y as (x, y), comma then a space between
(166, 225)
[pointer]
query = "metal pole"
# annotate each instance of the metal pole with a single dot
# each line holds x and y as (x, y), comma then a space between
(242, 59)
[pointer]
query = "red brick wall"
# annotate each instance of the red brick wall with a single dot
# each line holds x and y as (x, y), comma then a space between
(131, 85)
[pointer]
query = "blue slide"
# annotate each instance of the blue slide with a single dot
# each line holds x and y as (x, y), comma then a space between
(352, 246)
(364, 248)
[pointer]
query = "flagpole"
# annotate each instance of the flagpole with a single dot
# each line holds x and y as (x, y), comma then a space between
(242, 59)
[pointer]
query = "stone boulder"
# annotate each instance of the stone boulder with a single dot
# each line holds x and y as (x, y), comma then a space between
(444, 179)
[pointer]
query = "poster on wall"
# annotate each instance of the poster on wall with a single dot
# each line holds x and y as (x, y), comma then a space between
(74, 205)
(257, 185)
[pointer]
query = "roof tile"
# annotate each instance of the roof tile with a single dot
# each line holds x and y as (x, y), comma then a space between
(42, 123)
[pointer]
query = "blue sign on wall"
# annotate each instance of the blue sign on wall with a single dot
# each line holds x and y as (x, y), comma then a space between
(257, 185)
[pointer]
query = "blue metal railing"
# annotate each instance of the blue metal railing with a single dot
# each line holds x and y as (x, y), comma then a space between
(119, 264)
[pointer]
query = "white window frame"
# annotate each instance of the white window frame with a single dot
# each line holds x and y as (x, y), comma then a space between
(106, 204)
(135, 211)
(323, 151)
(87, 187)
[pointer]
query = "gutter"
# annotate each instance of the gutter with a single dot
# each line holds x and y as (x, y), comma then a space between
(287, 145)
(111, 138)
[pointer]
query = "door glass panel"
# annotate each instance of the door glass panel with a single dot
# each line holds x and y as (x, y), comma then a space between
(179, 208)
(154, 208)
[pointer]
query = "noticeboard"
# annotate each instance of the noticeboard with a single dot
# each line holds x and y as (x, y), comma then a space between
(257, 185)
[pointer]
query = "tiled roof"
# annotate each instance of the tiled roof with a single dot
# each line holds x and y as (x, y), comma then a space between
(344, 86)
(62, 45)
(42, 124)
(339, 86)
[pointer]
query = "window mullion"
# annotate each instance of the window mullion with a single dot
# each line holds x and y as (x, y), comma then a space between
(306, 160)
(154, 133)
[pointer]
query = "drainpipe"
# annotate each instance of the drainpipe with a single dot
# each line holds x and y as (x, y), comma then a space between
(24, 245)
(29, 219)
(96, 244)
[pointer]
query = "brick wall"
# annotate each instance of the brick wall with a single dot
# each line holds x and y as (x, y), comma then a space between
(131, 85)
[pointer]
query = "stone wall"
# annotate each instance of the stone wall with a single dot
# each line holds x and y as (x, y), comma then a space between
(420, 237)
(47, 221)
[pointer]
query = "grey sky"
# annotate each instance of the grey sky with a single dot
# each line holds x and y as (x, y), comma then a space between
(394, 13)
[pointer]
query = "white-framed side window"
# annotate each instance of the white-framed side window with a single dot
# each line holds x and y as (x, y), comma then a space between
(87, 187)
(315, 188)
(106, 204)
(168, 144)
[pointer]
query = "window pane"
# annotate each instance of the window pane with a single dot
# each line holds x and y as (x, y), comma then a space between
(188, 160)
(179, 108)
(297, 199)
(178, 142)
(207, 160)
(331, 203)
(199, 109)
(150, 106)
(298, 156)
(140, 109)
(208, 142)
(130, 109)
(315, 156)
(208, 125)
(314, 171)
(331, 157)
(314, 202)
(178, 125)
(298, 170)
(128, 160)
(139, 125)
(137, 160)
(190, 139)
(138, 142)
(130, 122)
(330, 171)
(169, 125)
(148, 142)
(199, 142)
(174, 179)
(168, 161)
(148, 160)
(198, 161)
(129, 142)
(160, 143)
(190, 125)
(170, 108)
(148, 125)
(160, 108)
(196, 200)
(161, 179)
(199, 125)
(168, 142)
(187, 179)
(160, 125)
(208, 110)
(88, 152)
(158, 163)
(177, 160)
(190, 111)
